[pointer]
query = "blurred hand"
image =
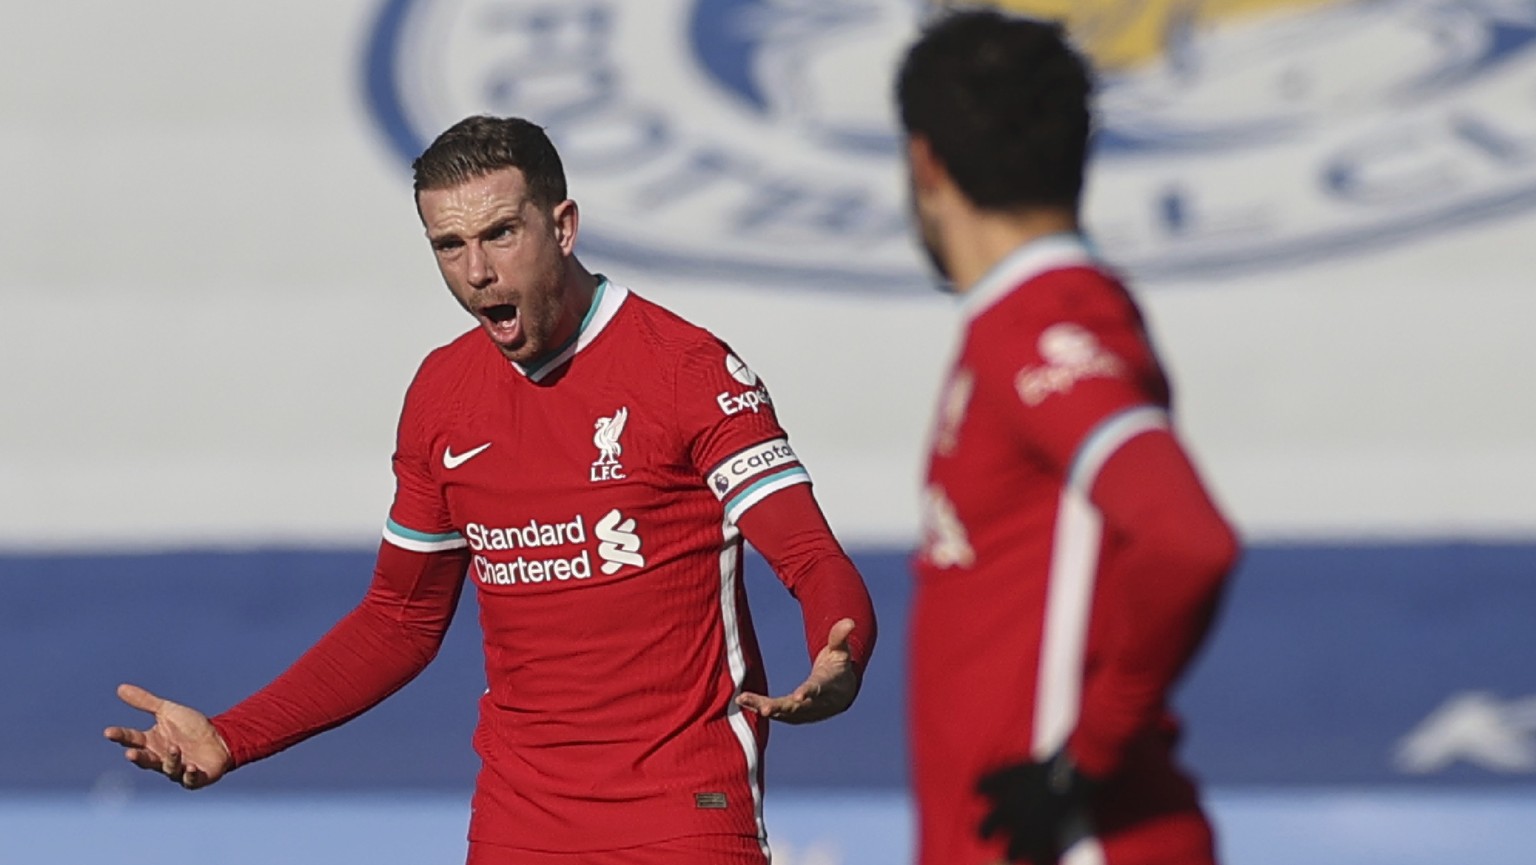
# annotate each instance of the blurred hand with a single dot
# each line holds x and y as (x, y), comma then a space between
(182, 745)
(1034, 807)
(829, 689)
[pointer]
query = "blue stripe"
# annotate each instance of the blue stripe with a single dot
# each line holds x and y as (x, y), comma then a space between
(413, 535)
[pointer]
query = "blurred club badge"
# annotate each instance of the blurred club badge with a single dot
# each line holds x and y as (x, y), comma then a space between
(756, 139)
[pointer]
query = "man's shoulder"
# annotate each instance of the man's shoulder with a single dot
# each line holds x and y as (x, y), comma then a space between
(671, 335)
(1078, 299)
(1082, 292)
(452, 360)
(1086, 286)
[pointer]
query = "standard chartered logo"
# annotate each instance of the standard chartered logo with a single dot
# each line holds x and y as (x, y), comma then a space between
(618, 546)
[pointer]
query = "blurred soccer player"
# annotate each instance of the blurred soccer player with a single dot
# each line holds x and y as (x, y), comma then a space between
(593, 462)
(1072, 561)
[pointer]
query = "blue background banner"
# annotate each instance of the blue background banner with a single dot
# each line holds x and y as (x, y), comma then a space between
(1327, 661)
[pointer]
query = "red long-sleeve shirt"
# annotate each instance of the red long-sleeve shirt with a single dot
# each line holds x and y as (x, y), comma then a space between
(1072, 559)
(597, 502)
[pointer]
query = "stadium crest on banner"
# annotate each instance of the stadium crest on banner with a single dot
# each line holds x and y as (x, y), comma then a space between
(756, 138)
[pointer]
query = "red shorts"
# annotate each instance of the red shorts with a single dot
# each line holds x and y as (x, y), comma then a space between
(693, 850)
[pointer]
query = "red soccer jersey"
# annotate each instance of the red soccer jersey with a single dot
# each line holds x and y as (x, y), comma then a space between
(597, 494)
(1016, 575)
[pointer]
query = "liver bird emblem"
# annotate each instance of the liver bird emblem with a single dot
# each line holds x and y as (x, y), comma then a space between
(607, 437)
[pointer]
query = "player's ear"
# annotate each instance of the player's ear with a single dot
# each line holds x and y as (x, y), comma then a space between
(567, 221)
(927, 171)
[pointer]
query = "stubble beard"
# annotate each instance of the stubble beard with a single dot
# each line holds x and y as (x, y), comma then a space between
(928, 235)
(541, 316)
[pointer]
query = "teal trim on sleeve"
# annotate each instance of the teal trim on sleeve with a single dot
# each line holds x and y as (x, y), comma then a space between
(411, 534)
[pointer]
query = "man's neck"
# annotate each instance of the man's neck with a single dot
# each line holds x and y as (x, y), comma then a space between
(580, 292)
(977, 243)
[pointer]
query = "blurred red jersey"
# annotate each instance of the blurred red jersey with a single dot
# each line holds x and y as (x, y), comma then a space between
(1016, 572)
(597, 494)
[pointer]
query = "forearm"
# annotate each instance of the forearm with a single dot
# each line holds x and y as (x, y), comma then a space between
(374, 650)
(1173, 553)
(792, 534)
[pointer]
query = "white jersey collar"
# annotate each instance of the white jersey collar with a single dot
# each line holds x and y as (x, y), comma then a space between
(605, 305)
(1051, 252)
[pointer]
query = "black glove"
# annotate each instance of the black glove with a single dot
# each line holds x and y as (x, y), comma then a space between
(1034, 806)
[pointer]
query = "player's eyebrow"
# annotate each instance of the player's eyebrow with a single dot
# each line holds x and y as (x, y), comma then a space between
(510, 217)
(503, 223)
(443, 238)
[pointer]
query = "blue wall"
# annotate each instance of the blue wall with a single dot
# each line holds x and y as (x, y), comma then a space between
(1325, 658)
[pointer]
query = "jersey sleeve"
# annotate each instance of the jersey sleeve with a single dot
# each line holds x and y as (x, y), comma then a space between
(792, 534)
(733, 435)
(369, 654)
(1077, 384)
(397, 628)
(1176, 551)
(1067, 377)
(419, 520)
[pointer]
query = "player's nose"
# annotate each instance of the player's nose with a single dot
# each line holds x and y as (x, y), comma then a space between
(479, 270)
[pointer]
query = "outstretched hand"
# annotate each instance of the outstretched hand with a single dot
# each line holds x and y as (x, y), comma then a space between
(831, 687)
(182, 745)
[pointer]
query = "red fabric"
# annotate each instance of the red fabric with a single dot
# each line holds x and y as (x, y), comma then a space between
(594, 502)
(1175, 551)
(691, 850)
(372, 652)
(1070, 563)
(791, 532)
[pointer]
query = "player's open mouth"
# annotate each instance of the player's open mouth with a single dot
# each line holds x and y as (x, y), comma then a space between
(503, 322)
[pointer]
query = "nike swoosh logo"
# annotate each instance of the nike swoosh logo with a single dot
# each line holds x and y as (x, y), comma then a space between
(452, 460)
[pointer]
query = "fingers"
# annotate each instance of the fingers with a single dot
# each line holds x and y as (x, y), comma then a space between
(804, 704)
(139, 698)
(778, 708)
(143, 758)
(126, 736)
(136, 743)
(991, 824)
(810, 689)
(171, 765)
(766, 707)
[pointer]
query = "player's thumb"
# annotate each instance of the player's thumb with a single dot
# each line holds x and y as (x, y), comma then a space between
(139, 698)
(837, 640)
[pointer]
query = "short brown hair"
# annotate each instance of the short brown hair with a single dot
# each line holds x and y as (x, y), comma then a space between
(479, 145)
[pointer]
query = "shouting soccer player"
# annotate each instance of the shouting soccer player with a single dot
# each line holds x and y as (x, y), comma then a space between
(1071, 561)
(592, 462)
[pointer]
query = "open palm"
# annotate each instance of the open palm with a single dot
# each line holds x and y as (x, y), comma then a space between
(183, 744)
(830, 688)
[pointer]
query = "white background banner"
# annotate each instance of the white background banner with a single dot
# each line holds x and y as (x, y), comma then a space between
(214, 290)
